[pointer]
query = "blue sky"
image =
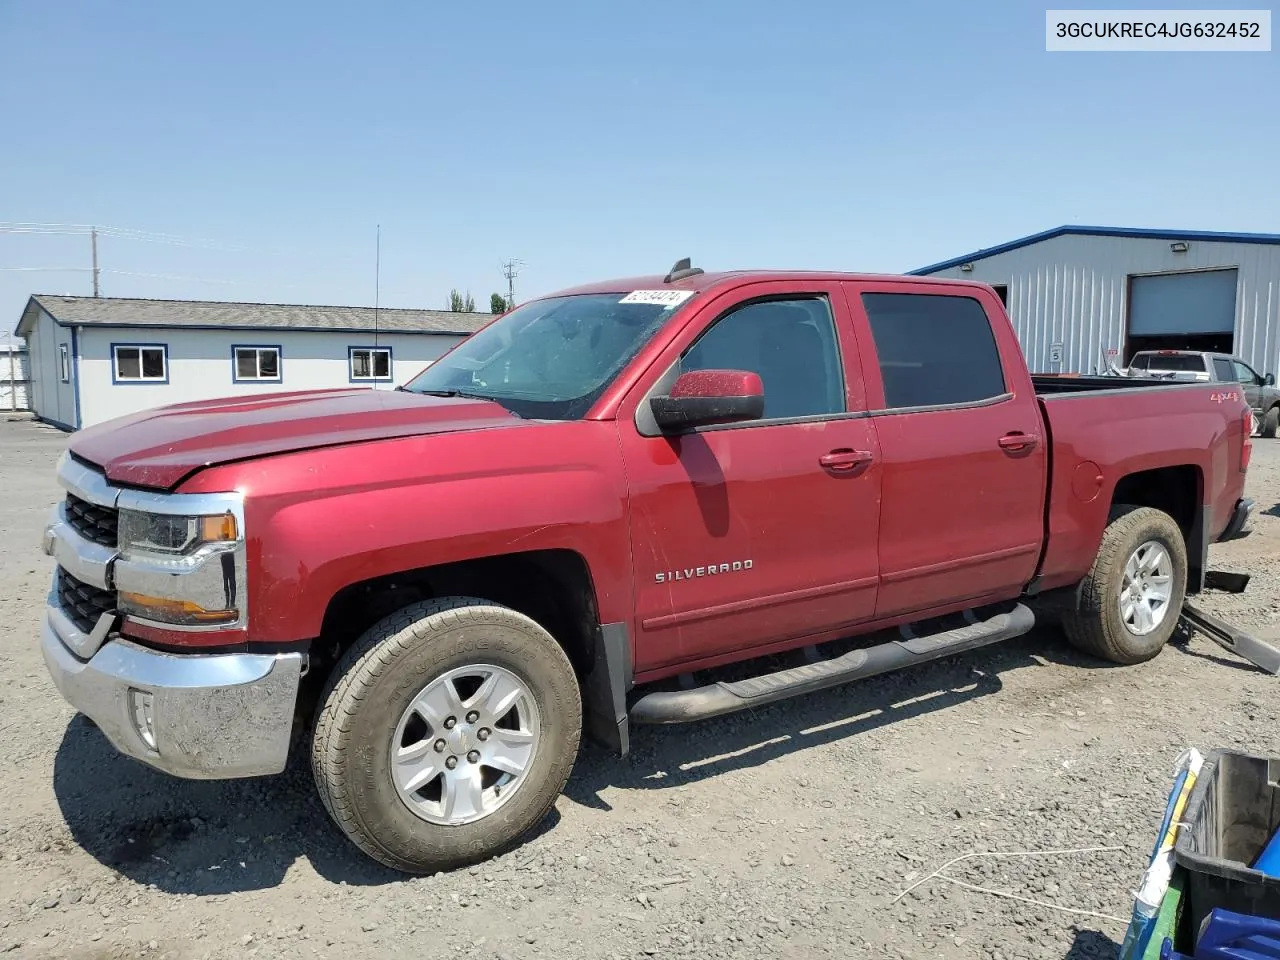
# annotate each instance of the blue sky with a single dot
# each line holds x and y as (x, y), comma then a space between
(589, 140)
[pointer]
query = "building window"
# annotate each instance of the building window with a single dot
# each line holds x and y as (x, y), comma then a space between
(140, 363)
(933, 350)
(64, 362)
(370, 363)
(256, 364)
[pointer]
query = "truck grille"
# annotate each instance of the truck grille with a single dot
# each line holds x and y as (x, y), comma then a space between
(82, 603)
(91, 521)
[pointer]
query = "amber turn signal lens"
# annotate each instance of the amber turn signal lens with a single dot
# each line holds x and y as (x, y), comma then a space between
(220, 529)
(165, 610)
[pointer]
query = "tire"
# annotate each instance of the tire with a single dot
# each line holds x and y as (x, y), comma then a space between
(367, 703)
(1095, 624)
(1271, 423)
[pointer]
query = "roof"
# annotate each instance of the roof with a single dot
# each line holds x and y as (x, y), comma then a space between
(708, 281)
(1134, 232)
(216, 315)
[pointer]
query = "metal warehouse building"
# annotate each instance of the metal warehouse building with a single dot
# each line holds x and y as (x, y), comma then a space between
(1082, 298)
(95, 358)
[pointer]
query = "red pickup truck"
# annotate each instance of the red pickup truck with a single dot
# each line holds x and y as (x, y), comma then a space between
(570, 520)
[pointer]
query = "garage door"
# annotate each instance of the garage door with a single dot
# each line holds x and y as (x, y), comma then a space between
(1201, 302)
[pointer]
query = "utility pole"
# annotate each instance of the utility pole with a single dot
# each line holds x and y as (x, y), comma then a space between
(377, 284)
(510, 272)
(93, 239)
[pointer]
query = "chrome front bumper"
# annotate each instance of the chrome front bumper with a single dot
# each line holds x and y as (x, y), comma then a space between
(203, 717)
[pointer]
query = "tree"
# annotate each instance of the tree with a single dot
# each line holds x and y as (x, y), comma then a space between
(460, 304)
(498, 303)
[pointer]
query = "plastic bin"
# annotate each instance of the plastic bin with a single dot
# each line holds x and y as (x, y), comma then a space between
(1233, 810)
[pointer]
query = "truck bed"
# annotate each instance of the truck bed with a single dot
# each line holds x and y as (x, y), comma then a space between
(1102, 428)
(1048, 384)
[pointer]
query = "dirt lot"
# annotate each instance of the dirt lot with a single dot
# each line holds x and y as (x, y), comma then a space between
(782, 833)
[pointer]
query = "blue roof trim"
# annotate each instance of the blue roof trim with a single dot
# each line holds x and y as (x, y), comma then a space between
(1137, 232)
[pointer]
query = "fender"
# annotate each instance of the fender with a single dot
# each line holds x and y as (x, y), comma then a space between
(320, 520)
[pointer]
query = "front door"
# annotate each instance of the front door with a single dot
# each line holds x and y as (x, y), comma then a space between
(964, 481)
(757, 533)
(1250, 383)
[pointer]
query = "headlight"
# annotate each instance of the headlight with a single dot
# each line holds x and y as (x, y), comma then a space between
(180, 569)
(168, 535)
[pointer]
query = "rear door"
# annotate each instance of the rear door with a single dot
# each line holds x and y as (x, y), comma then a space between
(756, 534)
(964, 458)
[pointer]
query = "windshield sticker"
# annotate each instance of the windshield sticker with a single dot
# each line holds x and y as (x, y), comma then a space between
(666, 298)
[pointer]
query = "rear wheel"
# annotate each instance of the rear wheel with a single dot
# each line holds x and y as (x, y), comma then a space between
(446, 733)
(1129, 604)
(1271, 423)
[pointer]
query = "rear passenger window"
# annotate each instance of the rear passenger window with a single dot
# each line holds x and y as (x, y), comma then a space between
(933, 350)
(790, 343)
(1223, 370)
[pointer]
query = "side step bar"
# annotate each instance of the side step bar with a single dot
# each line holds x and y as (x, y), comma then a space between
(1243, 645)
(715, 699)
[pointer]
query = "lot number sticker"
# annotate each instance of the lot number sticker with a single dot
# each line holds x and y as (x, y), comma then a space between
(665, 298)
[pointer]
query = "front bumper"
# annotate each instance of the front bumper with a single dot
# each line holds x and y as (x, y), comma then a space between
(1239, 518)
(203, 717)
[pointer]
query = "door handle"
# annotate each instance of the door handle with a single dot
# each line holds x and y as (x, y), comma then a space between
(842, 461)
(1018, 441)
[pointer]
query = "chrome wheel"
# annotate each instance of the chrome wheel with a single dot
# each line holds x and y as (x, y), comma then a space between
(1147, 588)
(462, 748)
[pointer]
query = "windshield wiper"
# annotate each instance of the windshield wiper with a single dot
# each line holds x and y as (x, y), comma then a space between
(452, 393)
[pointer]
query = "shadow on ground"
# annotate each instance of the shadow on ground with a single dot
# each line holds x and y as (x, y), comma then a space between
(217, 837)
(1092, 945)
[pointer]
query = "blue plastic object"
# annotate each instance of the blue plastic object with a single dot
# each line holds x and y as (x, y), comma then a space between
(1232, 936)
(1268, 861)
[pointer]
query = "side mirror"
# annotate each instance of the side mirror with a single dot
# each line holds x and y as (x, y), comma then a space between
(1269, 380)
(702, 398)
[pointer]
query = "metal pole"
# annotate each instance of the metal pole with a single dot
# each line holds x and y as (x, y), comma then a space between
(93, 235)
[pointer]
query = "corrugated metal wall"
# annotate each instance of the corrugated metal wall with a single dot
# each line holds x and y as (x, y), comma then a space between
(13, 396)
(1073, 290)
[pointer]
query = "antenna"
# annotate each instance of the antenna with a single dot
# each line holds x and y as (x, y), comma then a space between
(510, 272)
(683, 268)
(377, 283)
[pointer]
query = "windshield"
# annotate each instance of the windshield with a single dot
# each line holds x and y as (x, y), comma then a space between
(551, 359)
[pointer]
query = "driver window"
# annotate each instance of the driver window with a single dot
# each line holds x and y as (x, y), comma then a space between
(1244, 374)
(791, 344)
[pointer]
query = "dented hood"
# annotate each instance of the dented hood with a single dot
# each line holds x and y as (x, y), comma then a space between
(159, 448)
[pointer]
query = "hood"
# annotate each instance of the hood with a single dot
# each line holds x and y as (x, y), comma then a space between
(159, 448)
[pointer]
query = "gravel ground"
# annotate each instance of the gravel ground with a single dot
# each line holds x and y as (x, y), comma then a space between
(782, 833)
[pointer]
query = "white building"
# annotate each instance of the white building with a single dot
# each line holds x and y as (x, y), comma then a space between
(13, 375)
(92, 359)
(1083, 297)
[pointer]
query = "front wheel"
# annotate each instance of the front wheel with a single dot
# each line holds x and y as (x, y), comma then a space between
(1129, 604)
(446, 733)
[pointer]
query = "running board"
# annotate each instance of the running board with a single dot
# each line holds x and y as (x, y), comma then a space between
(1243, 645)
(713, 700)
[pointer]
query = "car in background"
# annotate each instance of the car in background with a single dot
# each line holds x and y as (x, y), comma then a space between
(1191, 365)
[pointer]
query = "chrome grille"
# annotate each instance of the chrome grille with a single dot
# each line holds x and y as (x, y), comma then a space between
(83, 603)
(95, 523)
